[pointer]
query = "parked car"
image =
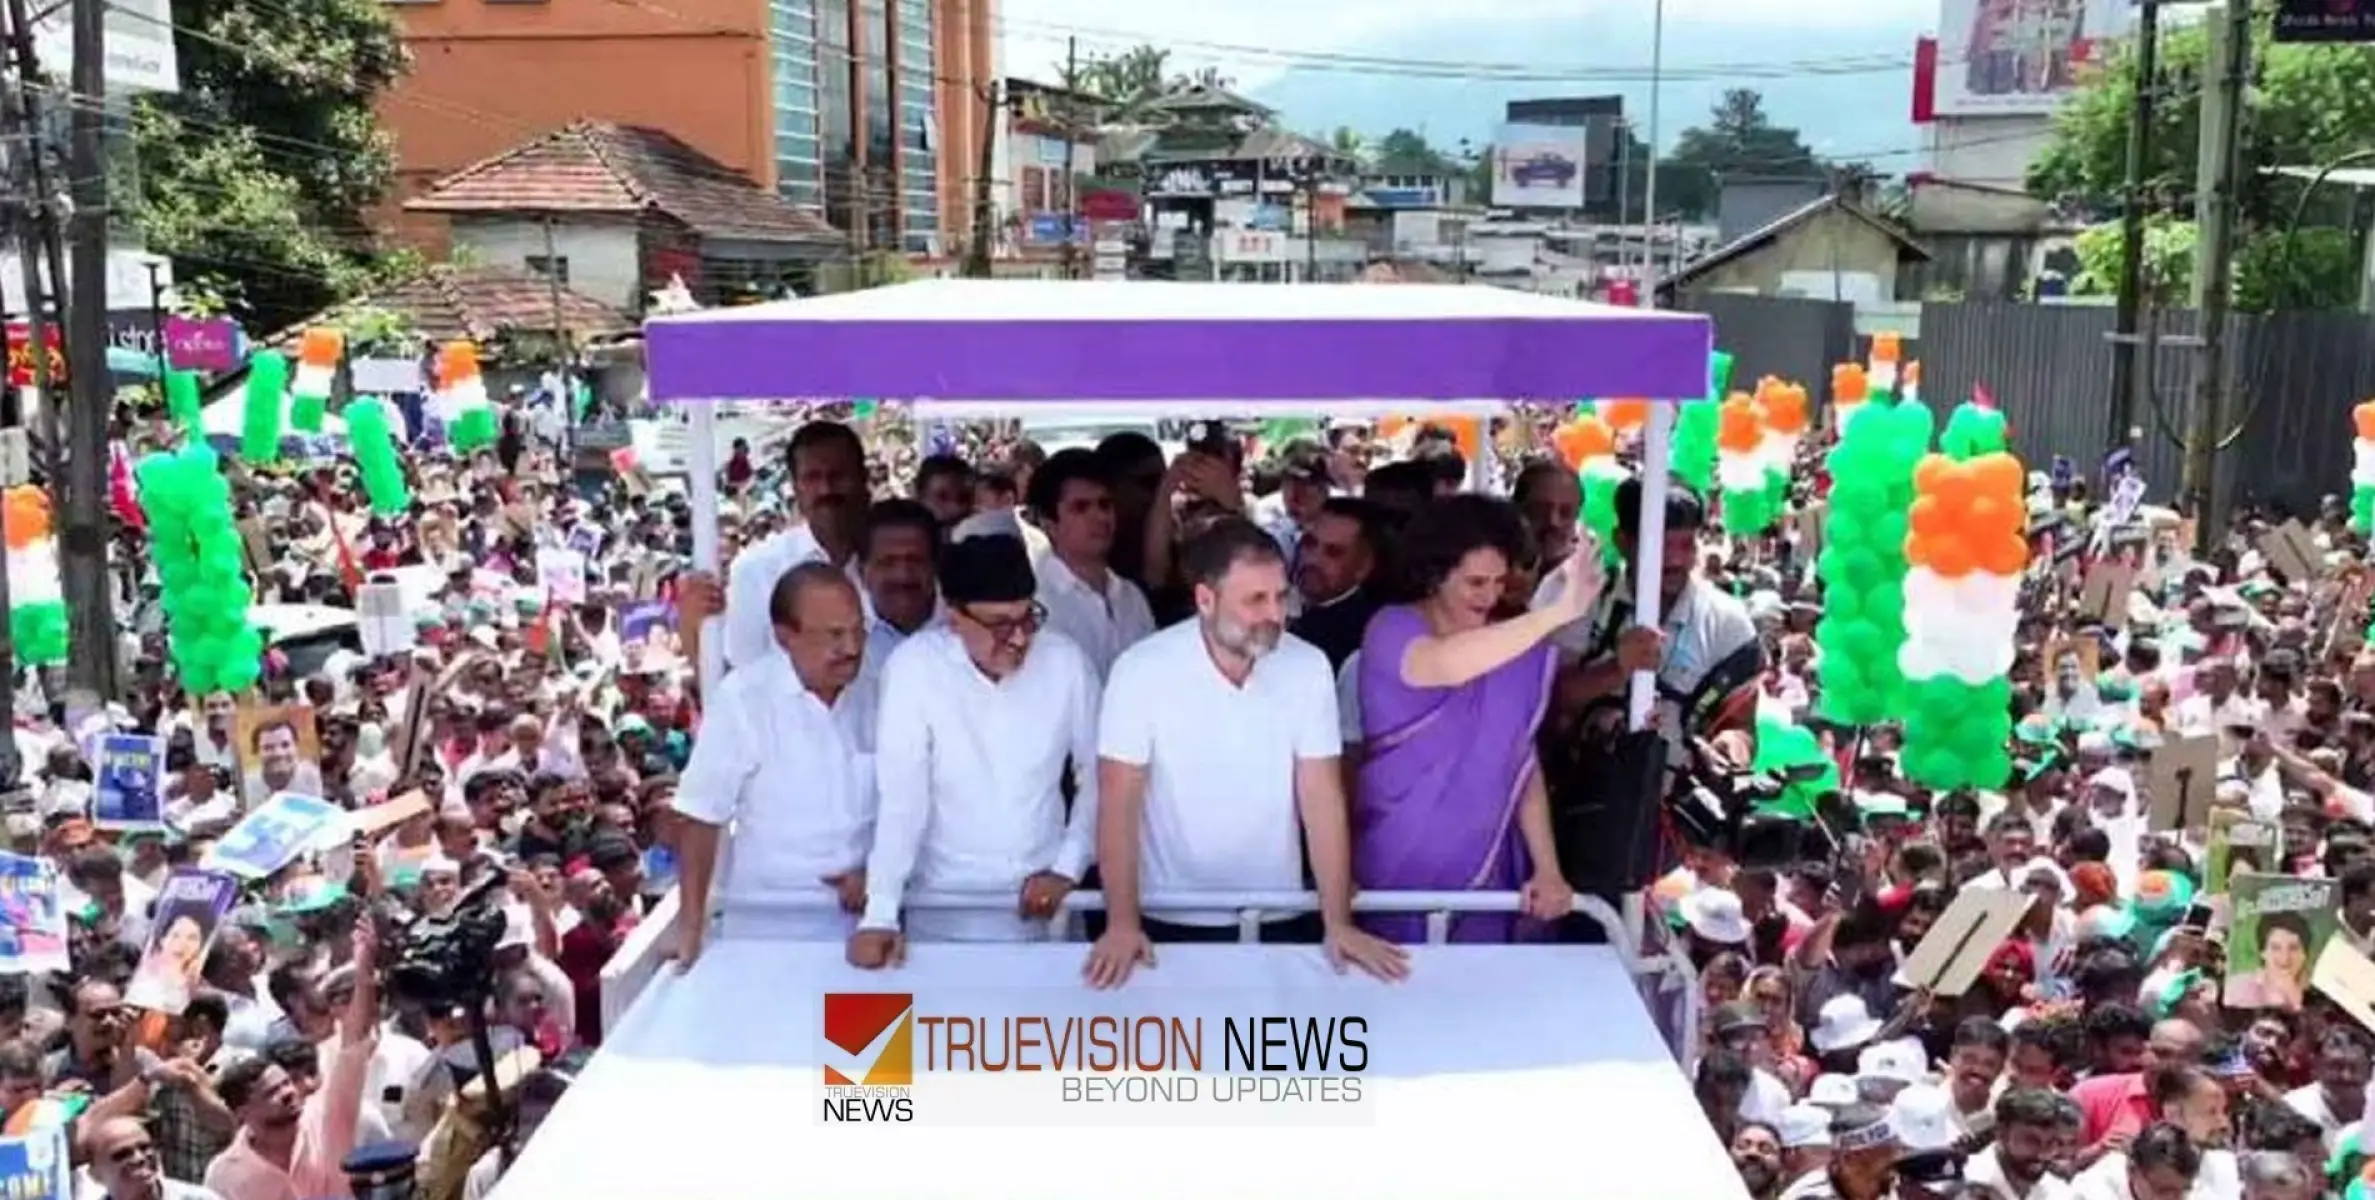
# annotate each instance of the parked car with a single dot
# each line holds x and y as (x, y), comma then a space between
(1544, 170)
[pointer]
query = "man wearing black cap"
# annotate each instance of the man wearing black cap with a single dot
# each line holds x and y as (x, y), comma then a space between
(979, 719)
(1304, 485)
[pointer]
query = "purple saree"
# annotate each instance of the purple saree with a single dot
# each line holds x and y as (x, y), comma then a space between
(1442, 774)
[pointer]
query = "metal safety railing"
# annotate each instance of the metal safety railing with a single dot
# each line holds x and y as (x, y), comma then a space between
(640, 958)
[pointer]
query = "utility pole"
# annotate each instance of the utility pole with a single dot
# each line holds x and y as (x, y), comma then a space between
(2222, 116)
(563, 353)
(977, 255)
(156, 320)
(1071, 177)
(82, 540)
(1649, 198)
(38, 240)
(2131, 228)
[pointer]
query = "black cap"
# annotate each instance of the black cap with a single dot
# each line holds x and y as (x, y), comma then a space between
(989, 569)
(380, 1162)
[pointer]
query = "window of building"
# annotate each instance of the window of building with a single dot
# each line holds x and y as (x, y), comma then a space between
(1034, 190)
(795, 94)
(795, 145)
(555, 268)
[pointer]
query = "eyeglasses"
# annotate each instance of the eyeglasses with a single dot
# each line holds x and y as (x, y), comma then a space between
(1010, 629)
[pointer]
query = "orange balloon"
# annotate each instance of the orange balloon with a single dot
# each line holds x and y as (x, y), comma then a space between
(1957, 487)
(2004, 555)
(1929, 471)
(1886, 347)
(1952, 557)
(1583, 439)
(1785, 410)
(2364, 418)
(1625, 416)
(1917, 551)
(1849, 384)
(1737, 428)
(1929, 518)
(25, 514)
(2001, 474)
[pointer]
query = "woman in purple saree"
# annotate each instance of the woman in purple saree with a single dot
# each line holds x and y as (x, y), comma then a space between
(1450, 797)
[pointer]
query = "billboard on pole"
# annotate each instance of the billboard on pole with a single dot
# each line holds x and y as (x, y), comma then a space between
(2325, 21)
(2019, 57)
(1539, 166)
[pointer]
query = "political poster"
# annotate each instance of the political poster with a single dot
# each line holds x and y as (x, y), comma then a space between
(34, 1165)
(32, 917)
(274, 835)
(190, 908)
(2281, 923)
(129, 779)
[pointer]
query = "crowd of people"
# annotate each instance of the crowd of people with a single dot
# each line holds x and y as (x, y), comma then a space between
(1333, 663)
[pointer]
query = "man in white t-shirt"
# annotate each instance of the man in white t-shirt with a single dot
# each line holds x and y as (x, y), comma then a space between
(1217, 759)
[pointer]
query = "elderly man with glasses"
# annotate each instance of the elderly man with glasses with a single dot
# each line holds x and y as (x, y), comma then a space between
(982, 721)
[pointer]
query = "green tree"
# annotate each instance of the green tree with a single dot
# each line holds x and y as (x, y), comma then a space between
(255, 177)
(1739, 140)
(1408, 152)
(1348, 142)
(1129, 78)
(2310, 105)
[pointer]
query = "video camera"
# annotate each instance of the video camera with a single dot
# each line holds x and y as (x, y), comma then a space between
(1714, 806)
(1615, 798)
(448, 962)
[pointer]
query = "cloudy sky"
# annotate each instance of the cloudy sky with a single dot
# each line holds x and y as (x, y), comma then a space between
(1837, 69)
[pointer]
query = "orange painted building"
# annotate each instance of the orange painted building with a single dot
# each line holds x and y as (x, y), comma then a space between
(868, 110)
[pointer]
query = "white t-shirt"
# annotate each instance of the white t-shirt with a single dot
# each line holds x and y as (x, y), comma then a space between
(1220, 758)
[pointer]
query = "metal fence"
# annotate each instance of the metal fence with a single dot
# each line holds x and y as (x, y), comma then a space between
(2297, 376)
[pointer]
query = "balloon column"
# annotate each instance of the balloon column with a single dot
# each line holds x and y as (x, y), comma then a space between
(1972, 431)
(182, 402)
(200, 566)
(373, 438)
(1966, 549)
(1888, 353)
(1696, 428)
(36, 606)
(462, 395)
(1862, 567)
(265, 406)
(1849, 387)
(1588, 444)
(1784, 408)
(2362, 469)
(317, 374)
(1740, 465)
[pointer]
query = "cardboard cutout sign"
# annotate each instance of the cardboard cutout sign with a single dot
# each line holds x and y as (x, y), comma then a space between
(2103, 599)
(2348, 979)
(2292, 551)
(2184, 777)
(1956, 949)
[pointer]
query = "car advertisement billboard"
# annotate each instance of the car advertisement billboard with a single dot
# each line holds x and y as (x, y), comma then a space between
(2020, 57)
(1539, 166)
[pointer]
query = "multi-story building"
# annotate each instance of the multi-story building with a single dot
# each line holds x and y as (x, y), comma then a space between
(871, 111)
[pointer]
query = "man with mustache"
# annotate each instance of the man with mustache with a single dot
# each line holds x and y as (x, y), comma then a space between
(786, 755)
(830, 487)
(1217, 759)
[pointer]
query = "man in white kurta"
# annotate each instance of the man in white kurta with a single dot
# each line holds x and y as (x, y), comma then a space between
(979, 720)
(785, 760)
